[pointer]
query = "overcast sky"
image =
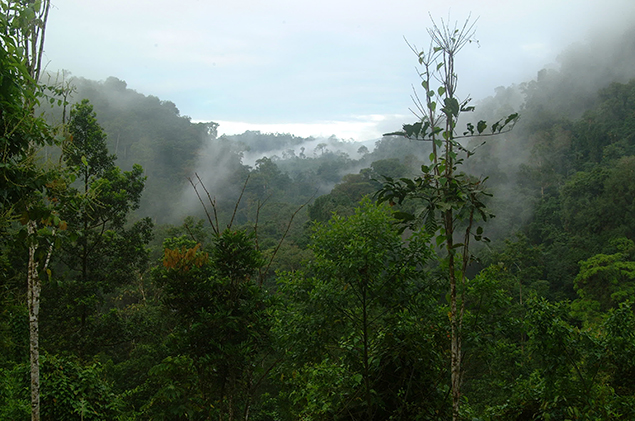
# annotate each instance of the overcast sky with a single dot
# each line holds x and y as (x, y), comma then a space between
(322, 67)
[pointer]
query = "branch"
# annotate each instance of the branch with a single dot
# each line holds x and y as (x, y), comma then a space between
(40, 53)
(212, 202)
(284, 236)
(429, 139)
(187, 228)
(417, 101)
(238, 202)
(98, 240)
(200, 199)
(260, 205)
(49, 252)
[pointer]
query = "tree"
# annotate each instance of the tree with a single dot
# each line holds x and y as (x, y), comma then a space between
(266, 180)
(450, 200)
(221, 326)
(363, 150)
(100, 252)
(352, 324)
(344, 197)
(604, 281)
(567, 364)
(86, 149)
(22, 33)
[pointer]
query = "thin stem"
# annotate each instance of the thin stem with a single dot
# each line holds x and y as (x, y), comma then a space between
(200, 199)
(242, 191)
(212, 202)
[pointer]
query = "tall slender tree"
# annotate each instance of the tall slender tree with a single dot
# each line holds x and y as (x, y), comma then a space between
(452, 202)
(22, 31)
(98, 251)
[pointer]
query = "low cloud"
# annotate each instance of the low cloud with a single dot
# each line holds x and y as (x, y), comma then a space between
(357, 128)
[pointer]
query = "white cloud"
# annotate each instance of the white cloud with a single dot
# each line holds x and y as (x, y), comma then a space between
(358, 128)
(313, 62)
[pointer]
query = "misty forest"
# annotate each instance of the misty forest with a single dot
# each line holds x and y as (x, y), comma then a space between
(477, 263)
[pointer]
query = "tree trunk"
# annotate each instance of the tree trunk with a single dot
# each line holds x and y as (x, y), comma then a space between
(369, 408)
(34, 288)
(455, 351)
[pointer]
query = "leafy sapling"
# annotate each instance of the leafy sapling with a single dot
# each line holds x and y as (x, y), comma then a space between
(450, 200)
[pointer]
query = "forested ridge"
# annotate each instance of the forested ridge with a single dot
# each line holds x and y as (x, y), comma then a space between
(186, 275)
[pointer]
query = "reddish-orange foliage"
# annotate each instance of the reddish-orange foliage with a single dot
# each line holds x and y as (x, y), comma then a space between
(184, 258)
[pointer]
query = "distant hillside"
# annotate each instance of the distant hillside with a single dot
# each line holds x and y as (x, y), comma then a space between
(149, 131)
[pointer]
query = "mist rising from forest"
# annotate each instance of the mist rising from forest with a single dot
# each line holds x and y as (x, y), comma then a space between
(562, 91)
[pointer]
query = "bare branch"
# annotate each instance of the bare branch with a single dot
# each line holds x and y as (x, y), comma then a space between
(418, 104)
(200, 199)
(41, 32)
(213, 203)
(187, 228)
(238, 201)
(260, 205)
(275, 251)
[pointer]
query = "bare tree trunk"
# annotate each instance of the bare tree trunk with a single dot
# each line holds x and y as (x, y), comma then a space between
(456, 366)
(365, 323)
(34, 288)
(33, 41)
(455, 320)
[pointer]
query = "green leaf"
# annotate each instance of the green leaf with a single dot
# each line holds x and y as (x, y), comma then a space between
(510, 118)
(417, 129)
(481, 126)
(441, 90)
(404, 216)
(451, 107)
(408, 182)
(425, 128)
(394, 134)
